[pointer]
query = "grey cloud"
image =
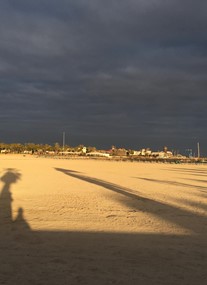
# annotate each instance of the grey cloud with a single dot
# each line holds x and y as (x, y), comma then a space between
(115, 67)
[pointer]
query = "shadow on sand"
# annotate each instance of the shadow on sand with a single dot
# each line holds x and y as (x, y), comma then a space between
(44, 257)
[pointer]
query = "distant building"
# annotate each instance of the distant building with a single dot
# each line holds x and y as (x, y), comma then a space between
(84, 150)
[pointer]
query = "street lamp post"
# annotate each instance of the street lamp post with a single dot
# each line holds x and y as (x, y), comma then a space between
(63, 141)
(198, 147)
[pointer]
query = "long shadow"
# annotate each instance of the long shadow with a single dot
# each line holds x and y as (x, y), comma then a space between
(192, 174)
(195, 172)
(58, 257)
(137, 202)
(173, 183)
(196, 180)
(200, 170)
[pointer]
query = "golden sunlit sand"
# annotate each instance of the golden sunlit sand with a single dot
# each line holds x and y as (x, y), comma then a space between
(82, 221)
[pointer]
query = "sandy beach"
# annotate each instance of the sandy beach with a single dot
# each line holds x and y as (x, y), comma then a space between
(82, 221)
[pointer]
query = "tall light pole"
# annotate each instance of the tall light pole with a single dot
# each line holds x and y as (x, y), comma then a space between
(63, 141)
(198, 147)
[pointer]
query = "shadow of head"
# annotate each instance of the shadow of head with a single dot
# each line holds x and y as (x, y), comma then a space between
(10, 176)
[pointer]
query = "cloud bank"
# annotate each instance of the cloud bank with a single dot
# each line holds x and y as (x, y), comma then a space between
(130, 73)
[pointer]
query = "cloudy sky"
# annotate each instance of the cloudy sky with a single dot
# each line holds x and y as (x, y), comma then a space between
(131, 73)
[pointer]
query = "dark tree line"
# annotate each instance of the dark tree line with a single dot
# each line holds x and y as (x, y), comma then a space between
(39, 148)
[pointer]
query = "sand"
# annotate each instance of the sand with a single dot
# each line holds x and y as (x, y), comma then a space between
(84, 221)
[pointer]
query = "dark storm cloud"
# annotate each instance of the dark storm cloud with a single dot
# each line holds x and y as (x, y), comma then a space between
(125, 72)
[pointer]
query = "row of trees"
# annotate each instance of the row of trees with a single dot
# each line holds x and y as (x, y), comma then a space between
(20, 148)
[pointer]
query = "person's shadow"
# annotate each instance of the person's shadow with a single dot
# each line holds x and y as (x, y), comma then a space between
(11, 176)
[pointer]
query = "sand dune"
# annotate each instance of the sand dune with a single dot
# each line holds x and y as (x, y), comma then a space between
(101, 222)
